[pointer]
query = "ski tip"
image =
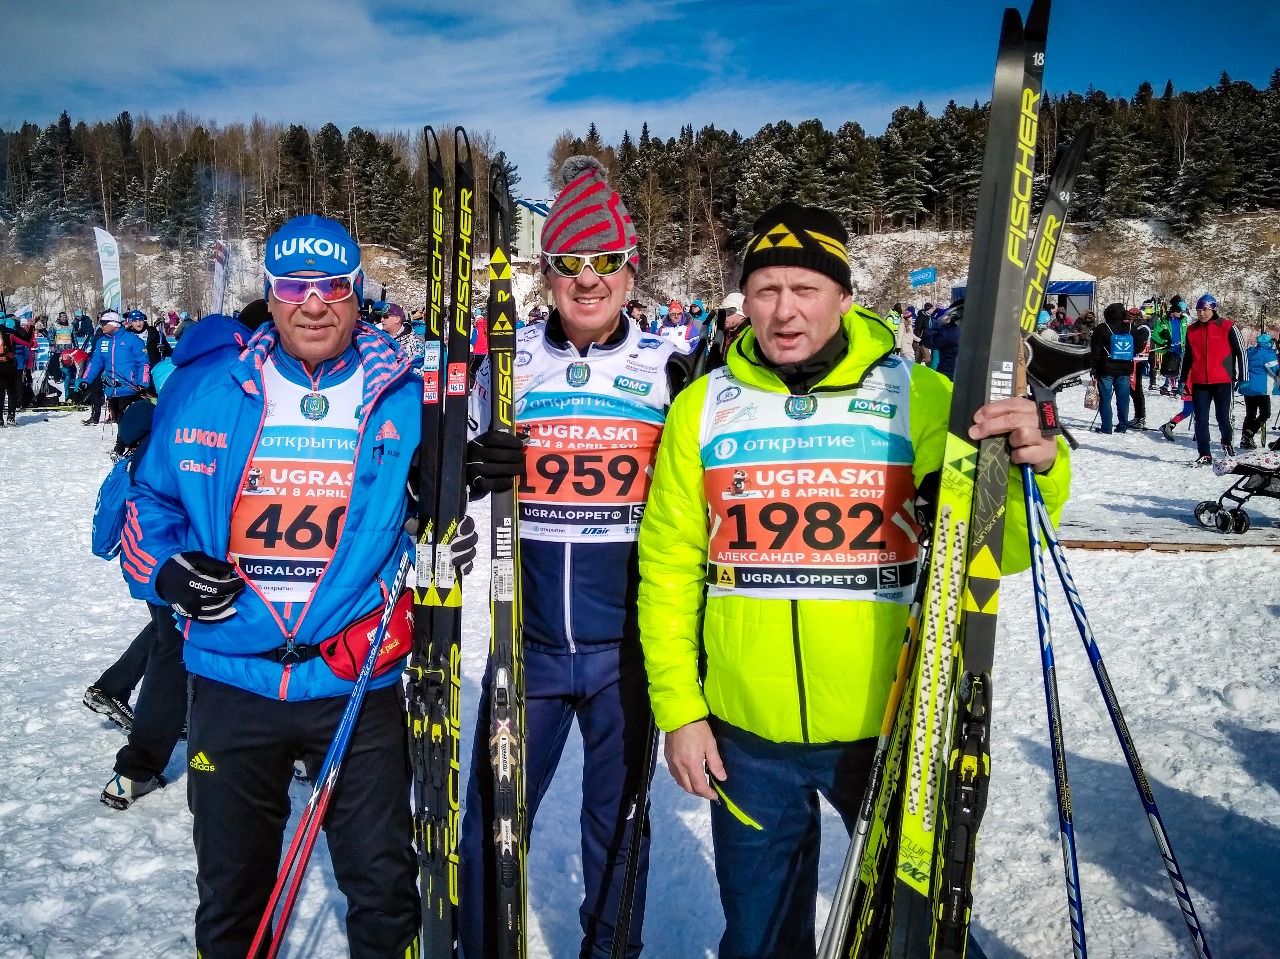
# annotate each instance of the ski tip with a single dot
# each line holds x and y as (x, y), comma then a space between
(461, 145)
(433, 144)
(1011, 26)
(1037, 23)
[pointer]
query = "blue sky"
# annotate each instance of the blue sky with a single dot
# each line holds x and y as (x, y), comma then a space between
(542, 66)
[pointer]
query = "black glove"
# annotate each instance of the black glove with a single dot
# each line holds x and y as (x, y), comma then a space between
(494, 460)
(462, 548)
(199, 587)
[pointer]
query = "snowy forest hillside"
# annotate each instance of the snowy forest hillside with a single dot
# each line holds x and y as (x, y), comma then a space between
(1169, 195)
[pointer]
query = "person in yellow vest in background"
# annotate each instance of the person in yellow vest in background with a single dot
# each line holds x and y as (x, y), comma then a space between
(778, 558)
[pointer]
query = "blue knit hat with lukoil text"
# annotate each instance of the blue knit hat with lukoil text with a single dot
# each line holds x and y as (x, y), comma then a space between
(313, 244)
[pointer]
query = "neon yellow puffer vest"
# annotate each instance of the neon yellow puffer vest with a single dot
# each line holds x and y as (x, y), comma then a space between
(788, 669)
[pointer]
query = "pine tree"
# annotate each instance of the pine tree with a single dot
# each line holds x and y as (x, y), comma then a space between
(811, 149)
(294, 166)
(766, 174)
(1203, 184)
(859, 190)
(905, 179)
(328, 160)
(961, 139)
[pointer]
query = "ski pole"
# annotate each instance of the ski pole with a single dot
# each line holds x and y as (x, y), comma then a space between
(1127, 745)
(639, 822)
(1066, 827)
(294, 867)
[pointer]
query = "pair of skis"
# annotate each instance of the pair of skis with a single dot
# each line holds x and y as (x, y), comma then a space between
(435, 664)
(434, 671)
(932, 763)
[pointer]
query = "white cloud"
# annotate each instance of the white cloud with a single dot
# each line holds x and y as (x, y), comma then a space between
(400, 65)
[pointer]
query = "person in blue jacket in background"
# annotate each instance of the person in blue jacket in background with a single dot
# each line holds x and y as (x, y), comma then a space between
(268, 514)
(1261, 368)
(942, 336)
(120, 358)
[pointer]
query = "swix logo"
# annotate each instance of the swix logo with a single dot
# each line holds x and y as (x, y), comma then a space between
(209, 438)
(191, 466)
(387, 432)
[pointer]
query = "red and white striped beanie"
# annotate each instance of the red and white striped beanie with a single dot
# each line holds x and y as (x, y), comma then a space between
(588, 216)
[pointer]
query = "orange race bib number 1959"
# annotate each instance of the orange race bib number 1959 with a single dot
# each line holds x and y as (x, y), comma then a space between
(587, 480)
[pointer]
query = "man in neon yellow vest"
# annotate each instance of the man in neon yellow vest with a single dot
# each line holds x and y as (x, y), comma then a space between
(784, 493)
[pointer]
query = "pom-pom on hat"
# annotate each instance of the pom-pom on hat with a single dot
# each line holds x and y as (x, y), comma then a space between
(588, 216)
(792, 235)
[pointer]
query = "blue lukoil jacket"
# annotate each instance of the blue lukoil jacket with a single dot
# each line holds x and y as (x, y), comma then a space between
(185, 492)
(121, 359)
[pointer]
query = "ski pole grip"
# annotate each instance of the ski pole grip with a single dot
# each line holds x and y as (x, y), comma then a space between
(1046, 401)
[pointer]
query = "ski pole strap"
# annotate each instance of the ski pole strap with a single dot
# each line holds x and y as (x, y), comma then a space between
(1046, 401)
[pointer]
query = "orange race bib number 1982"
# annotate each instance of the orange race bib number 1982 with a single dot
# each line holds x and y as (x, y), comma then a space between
(829, 527)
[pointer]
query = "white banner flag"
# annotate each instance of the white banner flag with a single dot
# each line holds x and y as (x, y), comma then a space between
(221, 256)
(109, 258)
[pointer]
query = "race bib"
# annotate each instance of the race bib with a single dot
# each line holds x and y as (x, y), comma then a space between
(829, 526)
(291, 508)
(586, 478)
(811, 497)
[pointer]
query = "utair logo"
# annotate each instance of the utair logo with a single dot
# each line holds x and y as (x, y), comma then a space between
(726, 448)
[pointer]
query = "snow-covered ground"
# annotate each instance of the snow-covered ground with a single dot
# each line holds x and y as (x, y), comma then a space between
(1187, 638)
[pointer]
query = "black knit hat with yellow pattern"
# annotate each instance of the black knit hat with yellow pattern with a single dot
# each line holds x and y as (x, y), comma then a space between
(793, 235)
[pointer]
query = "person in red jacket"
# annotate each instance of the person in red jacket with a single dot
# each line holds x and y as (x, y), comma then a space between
(1213, 361)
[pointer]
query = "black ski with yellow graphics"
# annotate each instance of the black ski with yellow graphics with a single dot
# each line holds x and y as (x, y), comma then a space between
(435, 677)
(506, 649)
(948, 765)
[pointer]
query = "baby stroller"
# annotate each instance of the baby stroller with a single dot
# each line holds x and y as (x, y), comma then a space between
(1259, 476)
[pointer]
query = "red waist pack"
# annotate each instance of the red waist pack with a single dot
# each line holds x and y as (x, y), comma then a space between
(345, 653)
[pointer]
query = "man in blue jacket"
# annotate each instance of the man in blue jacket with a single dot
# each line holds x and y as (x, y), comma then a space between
(121, 360)
(269, 515)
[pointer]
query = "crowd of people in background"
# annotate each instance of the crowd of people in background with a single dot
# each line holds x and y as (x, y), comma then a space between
(102, 363)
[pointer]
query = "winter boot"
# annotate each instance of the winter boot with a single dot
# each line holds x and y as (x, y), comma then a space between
(1167, 431)
(1138, 424)
(121, 792)
(115, 710)
(1246, 440)
(13, 420)
(1203, 461)
(1228, 449)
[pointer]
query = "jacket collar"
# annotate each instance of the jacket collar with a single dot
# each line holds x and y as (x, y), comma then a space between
(559, 341)
(374, 349)
(870, 340)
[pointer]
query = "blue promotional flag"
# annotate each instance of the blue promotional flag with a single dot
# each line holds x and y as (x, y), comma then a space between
(921, 277)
